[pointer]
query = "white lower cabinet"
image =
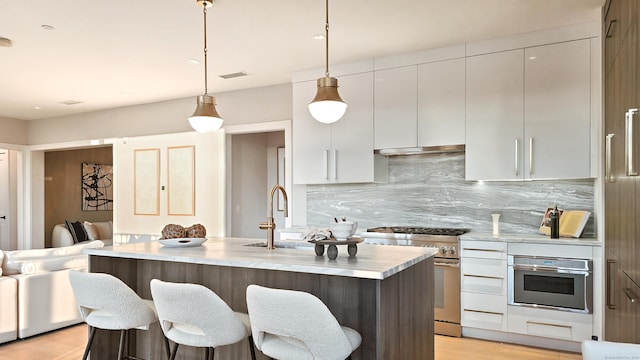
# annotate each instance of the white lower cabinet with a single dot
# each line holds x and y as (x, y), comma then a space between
(483, 311)
(483, 284)
(550, 323)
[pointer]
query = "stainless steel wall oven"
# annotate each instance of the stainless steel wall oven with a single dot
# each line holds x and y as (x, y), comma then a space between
(551, 283)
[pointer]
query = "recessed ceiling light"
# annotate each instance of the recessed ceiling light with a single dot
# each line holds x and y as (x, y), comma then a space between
(37, 107)
(532, 57)
(193, 61)
(47, 27)
(318, 36)
(125, 92)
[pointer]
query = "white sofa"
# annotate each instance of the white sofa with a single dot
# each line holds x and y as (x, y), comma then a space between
(36, 292)
(61, 236)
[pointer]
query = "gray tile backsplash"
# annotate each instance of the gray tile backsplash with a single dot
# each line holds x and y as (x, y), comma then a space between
(430, 190)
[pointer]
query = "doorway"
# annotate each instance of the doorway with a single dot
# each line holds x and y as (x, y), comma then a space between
(8, 199)
(252, 169)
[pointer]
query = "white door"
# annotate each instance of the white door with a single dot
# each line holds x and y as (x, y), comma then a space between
(4, 200)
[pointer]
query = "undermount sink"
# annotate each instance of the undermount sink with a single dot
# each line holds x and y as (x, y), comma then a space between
(283, 245)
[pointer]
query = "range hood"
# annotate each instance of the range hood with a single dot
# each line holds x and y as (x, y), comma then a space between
(421, 150)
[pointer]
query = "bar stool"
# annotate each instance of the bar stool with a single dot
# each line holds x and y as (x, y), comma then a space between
(193, 315)
(295, 325)
(105, 302)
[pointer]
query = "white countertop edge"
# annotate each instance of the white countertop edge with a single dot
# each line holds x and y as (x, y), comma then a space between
(529, 238)
(343, 266)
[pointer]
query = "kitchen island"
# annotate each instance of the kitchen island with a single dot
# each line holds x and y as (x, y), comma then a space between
(385, 293)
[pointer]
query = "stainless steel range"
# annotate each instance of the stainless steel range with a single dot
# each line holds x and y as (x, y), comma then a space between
(447, 267)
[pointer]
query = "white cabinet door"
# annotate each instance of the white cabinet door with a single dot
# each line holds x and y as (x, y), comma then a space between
(494, 120)
(557, 110)
(341, 152)
(395, 110)
(352, 136)
(441, 103)
(311, 139)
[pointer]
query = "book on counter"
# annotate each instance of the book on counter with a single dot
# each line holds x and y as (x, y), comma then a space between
(572, 222)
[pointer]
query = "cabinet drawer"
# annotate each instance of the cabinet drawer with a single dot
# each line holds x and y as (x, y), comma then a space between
(550, 323)
(484, 311)
(483, 249)
(487, 276)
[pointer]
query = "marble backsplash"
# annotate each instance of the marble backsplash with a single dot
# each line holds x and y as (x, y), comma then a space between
(430, 190)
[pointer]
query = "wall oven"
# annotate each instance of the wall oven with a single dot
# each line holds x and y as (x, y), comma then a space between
(551, 283)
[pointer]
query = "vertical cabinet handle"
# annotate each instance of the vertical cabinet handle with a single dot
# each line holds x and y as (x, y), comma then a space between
(530, 155)
(611, 281)
(326, 165)
(517, 164)
(630, 168)
(607, 166)
(610, 28)
(335, 164)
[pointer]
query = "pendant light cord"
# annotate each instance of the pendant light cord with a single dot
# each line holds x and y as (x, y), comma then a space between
(204, 10)
(326, 40)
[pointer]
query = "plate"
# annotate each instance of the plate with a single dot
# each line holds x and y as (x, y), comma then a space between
(349, 241)
(182, 242)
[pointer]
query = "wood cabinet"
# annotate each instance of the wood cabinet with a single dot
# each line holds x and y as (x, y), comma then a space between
(622, 185)
(529, 113)
(420, 105)
(341, 152)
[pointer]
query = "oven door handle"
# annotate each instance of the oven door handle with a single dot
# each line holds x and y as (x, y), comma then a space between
(447, 264)
(551, 269)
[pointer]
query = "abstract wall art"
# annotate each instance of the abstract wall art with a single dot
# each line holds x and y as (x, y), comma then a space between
(97, 187)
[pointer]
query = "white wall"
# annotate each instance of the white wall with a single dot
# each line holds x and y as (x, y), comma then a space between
(209, 176)
(247, 106)
(13, 131)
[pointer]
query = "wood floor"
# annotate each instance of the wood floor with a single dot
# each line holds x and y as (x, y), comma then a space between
(68, 344)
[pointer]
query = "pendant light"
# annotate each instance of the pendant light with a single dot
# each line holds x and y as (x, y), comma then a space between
(327, 107)
(205, 119)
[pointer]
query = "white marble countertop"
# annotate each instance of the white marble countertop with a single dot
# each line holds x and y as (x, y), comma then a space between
(371, 261)
(529, 238)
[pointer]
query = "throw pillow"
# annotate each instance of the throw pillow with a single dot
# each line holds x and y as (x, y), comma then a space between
(77, 231)
(91, 230)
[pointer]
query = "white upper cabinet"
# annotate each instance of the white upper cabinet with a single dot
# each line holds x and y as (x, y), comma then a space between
(494, 126)
(557, 90)
(396, 107)
(420, 105)
(529, 113)
(341, 152)
(441, 103)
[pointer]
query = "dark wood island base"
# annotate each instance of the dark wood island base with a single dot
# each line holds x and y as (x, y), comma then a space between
(394, 315)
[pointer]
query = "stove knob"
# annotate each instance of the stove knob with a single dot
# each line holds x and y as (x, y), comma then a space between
(452, 250)
(443, 250)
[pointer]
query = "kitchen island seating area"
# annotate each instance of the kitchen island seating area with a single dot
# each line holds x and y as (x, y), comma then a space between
(192, 315)
(295, 325)
(105, 302)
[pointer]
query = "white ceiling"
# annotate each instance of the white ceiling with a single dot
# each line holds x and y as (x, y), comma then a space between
(123, 52)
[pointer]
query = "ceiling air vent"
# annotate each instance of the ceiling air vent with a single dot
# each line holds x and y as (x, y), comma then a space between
(71, 102)
(4, 42)
(234, 75)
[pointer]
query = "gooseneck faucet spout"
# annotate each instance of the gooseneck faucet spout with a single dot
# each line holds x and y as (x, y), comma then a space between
(270, 225)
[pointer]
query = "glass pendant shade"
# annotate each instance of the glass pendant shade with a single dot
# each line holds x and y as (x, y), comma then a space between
(327, 107)
(205, 119)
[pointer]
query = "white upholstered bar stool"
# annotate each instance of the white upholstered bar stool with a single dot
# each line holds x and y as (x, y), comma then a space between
(295, 325)
(193, 315)
(603, 350)
(105, 302)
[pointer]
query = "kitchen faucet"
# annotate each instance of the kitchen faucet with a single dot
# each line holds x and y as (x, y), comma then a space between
(270, 225)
